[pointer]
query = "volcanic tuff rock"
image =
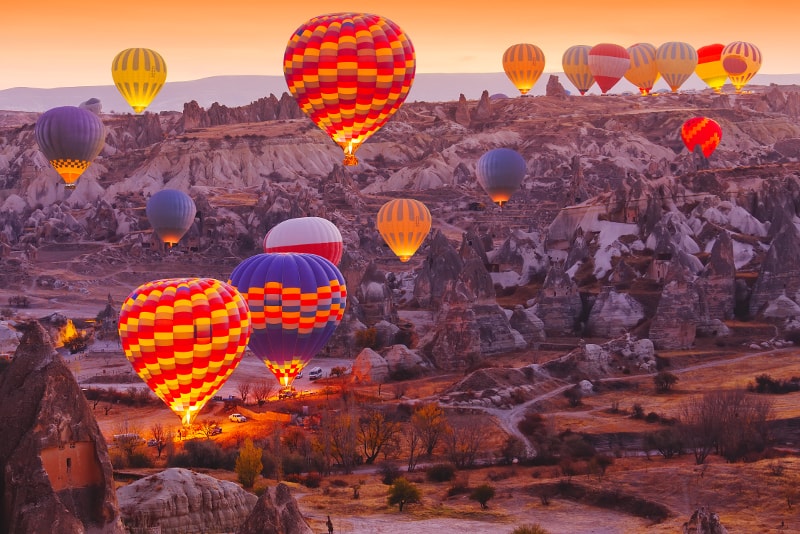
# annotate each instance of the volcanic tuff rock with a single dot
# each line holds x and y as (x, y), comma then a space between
(442, 266)
(403, 360)
(780, 270)
(56, 472)
(375, 297)
(264, 109)
(558, 303)
(527, 324)
(181, 501)
(370, 367)
(456, 343)
(554, 87)
(717, 282)
(613, 313)
(675, 323)
(704, 521)
(275, 512)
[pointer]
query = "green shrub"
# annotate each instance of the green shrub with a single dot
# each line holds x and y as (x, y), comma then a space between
(483, 494)
(440, 472)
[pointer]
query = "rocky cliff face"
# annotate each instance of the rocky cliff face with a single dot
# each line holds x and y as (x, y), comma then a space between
(675, 323)
(558, 303)
(613, 313)
(56, 473)
(780, 270)
(275, 512)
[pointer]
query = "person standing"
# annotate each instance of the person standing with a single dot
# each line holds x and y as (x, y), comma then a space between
(329, 523)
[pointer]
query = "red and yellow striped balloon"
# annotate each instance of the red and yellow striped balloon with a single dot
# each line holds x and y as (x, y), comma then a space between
(701, 131)
(524, 64)
(608, 63)
(184, 337)
(349, 72)
(741, 61)
(709, 66)
(404, 223)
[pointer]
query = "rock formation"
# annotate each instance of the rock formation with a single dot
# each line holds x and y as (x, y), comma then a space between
(56, 472)
(718, 280)
(180, 501)
(275, 512)
(370, 367)
(558, 303)
(674, 325)
(554, 87)
(704, 521)
(442, 266)
(527, 324)
(375, 297)
(462, 111)
(613, 313)
(264, 109)
(780, 270)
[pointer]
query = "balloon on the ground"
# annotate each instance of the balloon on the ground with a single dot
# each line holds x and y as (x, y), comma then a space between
(312, 235)
(404, 224)
(701, 131)
(643, 72)
(523, 64)
(676, 62)
(184, 337)
(70, 138)
(709, 66)
(296, 302)
(500, 172)
(349, 72)
(575, 63)
(741, 61)
(608, 63)
(139, 74)
(171, 214)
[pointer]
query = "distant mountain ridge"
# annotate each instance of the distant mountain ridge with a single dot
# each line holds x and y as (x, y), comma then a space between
(241, 90)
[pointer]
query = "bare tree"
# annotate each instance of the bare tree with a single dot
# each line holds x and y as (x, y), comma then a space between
(159, 436)
(375, 432)
(430, 424)
(244, 387)
(207, 427)
(414, 443)
(263, 390)
(463, 443)
(342, 431)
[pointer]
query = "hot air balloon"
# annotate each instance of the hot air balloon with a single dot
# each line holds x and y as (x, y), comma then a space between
(709, 66)
(349, 72)
(741, 61)
(608, 63)
(296, 302)
(701, 131)
(643, 72)
(500, 172)
(523, 63)
(676, 62)
(404, 223)
(576, 66)
(171, 214)
(70, 138)
(313, 235)
(184, 337)
(139, 74)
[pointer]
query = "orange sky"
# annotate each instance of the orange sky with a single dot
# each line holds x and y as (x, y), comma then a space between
(54, 44)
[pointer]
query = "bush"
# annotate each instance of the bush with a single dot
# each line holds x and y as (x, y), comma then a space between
(530, 529)
(140, 460)
(312, 480)
(459, 487)
(440, 472)
(403, 492)
(389, 473)
(664, 381)
(483, 494)
(203, 453)
(638, 411)
(19, 301)
(766, 384)
(293, 464)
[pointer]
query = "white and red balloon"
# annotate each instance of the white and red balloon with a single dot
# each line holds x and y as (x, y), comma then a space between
(311, 235)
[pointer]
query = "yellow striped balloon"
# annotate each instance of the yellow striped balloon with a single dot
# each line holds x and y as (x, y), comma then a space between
(741, 61)
(404, 223)
(643, 72)
(676, 62)
(524, 64)
(576, 66)
(139, 74)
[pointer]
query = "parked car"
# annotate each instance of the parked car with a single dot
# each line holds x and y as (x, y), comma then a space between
(237, 418)
(217, 429)
(315, 373)
(287, 393)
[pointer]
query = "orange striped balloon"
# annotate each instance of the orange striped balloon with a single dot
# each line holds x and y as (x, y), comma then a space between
(575, 63)
(709, 66)
(349, 72)
(701, 131)
(524, 64)
(643, 72)
(184, 337)
(741, 61)
(404, 223)
(676, 62)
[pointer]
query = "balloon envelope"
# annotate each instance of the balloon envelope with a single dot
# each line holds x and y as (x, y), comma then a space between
(404, 223)
(313, 235)
(608, 63)
(171, 214)
(184, 337)
(701, 131)
(524, 64)
(741, 61)
(676, 62)
(349, 72)
(296, 302)
(70, 138)
(643, 72)
(709, 66)
(500, 172)
(575, 62)
(139, 74)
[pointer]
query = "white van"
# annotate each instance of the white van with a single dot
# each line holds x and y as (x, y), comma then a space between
(315, 373)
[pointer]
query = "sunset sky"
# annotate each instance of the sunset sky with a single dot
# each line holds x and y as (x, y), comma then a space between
(59, 44)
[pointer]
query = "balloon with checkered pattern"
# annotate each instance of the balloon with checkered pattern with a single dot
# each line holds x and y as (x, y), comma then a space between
(70, 138)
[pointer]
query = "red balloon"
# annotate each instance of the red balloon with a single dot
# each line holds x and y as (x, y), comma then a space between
(701, 131)
(608, 63)
(311, 235)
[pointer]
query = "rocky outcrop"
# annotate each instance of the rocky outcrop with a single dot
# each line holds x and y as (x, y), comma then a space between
(462, 111)
(527, 324)
(674, 325)
(375, 297)
(704, 521)
(9, 338)
(780, 270)
(264, 109)
(275, 512)
(370, 367)
(483, 111)
(456, 343)
(180, 501)
(554, 87)
(56, 472)
(718, 280)
(558, 303)
(403, 361)
(613, 313)
(442, 266)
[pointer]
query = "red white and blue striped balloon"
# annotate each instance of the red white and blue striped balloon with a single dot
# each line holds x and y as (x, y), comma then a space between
(311, 235)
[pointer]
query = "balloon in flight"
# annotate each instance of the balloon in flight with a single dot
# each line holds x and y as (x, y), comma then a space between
(701, 131)
(404, 223)
(139, 74)
(608, 63)
(741, 61)
(171, 214)
(676, 62)
(296, 302)
(349, 72)
(184, 337)
(312, 235)
(500, 172)
(575, 63)
(70, 138)
(524, 64)
(709, 66)
(643, 72)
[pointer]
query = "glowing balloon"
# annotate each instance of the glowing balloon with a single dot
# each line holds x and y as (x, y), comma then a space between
(296, 302)
(404, 223)
(643, 72)
(139, 74)
(524, 64)
(184, 337)
(709, 66)
(500, 172)
(349, 72)
(312, 235)
(171, 214)
(741, 61)
(576, 66)
(608, 63)
(676, 62)
(701, 131)
(70, 138)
